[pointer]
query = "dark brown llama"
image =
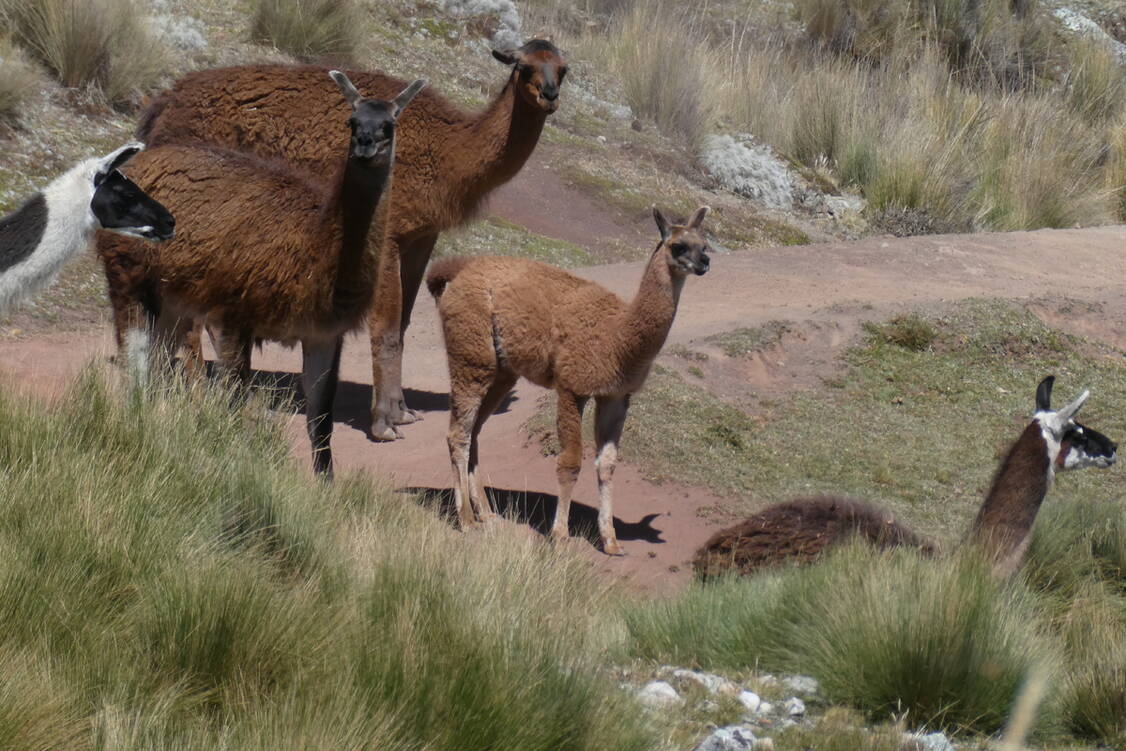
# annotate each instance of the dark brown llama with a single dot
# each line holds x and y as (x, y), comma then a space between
(265, 251)
(801, 530)
(448, 161)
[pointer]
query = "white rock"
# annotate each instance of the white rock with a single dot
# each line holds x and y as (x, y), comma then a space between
(734, 738)
(795, 707)
(765, 708)
(803, 684)
(930, 741)
(839, 206)
(180, 31)
(508, 32)
(749, 169)
(1078, 23)
(715, 684)
(658, 694)
(750, 700)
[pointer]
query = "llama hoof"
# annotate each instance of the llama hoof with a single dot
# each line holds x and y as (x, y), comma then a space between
(406, 416)
(382, 431)
(612, 547)
(558, 535)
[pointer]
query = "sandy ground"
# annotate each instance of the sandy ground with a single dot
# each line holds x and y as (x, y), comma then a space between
(829, 286)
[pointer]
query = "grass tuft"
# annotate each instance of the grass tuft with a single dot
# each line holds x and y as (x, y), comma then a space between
(104, 45)
(910, 331)
(18, 80)
(308, 29)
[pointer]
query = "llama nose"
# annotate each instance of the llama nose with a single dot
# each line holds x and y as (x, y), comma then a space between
(550, 93)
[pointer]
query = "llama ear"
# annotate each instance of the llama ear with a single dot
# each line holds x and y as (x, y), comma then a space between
(1044, 394)
(346, 88)
(698, 217)
(407, 95)
(1069, 412)
(662, 223)
(508, 57)
(116, 159)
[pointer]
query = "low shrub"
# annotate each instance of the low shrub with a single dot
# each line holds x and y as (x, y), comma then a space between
(17, 80)
(308, 29)
(104, 44)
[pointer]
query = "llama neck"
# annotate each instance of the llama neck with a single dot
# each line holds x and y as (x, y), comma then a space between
(354, 212)
(46, 232)
(649, 316)
(497, 143)
(1005, 520)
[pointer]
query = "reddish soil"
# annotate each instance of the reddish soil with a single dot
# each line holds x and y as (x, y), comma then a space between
(828, 288)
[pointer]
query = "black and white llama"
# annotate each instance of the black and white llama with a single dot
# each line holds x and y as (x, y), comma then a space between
(59, 222)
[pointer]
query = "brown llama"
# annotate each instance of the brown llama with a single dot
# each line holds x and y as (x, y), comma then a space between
(264, 251)
(801, 530)
(448, 161)
(503, 318)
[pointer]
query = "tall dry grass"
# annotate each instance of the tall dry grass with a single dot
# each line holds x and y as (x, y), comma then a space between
(17, 80)
(104, 45)
(308, 29)
(939, 107)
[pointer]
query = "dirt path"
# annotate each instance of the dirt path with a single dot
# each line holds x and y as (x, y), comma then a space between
(659, 525)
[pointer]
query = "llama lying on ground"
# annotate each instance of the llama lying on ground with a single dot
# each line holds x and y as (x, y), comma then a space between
(801, 530)
(503, 318)
(59, 222)
(448, 161)
(265, 251)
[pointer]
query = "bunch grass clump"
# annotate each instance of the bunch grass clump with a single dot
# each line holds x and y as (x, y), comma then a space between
(105, 46)
(17, 80)
(308, 29)
(888, 633)
(169, 578)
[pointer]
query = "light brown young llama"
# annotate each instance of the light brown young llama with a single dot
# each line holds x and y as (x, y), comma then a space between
(264, 251)
(447, 162)
(503, 318)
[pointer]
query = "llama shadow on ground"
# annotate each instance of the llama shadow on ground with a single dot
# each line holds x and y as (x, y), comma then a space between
(283, 391)
(537, 510)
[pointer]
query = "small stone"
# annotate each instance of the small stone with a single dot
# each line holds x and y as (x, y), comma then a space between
(658, 694)
(734, 738)
(750, 700)
(803, 685)
(601, 139)
(715, 684)
(928, 742)
(766, 708)
(795, 707)
(637, 126)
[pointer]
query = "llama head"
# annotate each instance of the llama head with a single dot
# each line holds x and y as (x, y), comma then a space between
(538, 69)
(1074, 445)
(373, 120)
(685, 245)
(120, 206)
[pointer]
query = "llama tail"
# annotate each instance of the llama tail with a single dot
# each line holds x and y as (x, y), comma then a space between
(442, 272)
(148, 118)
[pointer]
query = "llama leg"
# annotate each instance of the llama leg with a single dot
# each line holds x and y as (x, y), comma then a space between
(495, 395)
(232, 347)
(320, 369)
(195, 366)
(609, 416)
(569, 424)
(169, 334)
(386, 352)
(465, 405)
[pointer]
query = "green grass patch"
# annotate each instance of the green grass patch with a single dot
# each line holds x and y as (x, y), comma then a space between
(910, 331)
(745, 341)
(497, 236)
(170, 578)
(308, 29)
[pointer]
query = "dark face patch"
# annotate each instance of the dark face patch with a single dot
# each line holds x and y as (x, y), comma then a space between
(373, 129)
(689, 251)
(121, 206)
(21, 231)
(1085, 447)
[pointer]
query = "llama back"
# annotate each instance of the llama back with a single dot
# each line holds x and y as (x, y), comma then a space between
(218, 255)
(799, 532)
